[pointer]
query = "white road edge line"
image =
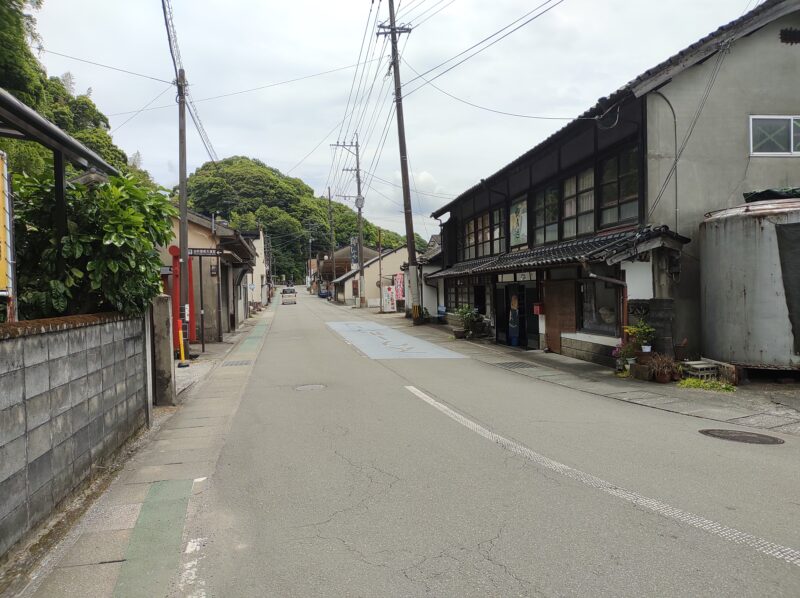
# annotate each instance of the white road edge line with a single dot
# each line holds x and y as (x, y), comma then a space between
(784, 553)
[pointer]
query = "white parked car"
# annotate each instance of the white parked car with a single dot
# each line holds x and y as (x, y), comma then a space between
(288, 295)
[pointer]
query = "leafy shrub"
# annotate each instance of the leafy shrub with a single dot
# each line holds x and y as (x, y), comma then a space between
(108, 259)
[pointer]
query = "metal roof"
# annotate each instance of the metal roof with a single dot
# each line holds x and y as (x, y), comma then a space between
(763, 14)
(19, 121)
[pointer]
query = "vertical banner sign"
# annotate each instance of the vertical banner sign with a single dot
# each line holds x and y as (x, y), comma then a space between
(399, 287)
(353, 252)
(6, 236)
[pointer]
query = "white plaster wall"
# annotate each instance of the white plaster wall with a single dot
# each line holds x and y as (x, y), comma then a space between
(639, 276)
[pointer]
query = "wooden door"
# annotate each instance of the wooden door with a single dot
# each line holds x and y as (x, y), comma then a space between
(560, 311)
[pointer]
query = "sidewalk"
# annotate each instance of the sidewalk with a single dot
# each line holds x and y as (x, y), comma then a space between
(752, 405)
(130, 542)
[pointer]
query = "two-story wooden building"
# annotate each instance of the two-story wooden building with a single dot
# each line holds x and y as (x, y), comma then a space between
(595, 224)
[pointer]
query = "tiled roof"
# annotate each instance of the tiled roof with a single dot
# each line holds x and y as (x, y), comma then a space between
(596, 248)
(463, 268)
(698, 51)
(432, 251)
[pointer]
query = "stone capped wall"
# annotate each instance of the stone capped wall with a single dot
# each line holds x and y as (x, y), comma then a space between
(72, 391)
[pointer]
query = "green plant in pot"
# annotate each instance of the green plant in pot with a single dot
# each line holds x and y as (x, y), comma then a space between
(641, 334)
(663, 367)
(469, 318)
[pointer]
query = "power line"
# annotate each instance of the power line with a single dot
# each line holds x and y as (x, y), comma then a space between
(251, 89)
(429, 17)
(484, 40)
(437, 195)
(503, 112)
(105, 66)
(140, 110)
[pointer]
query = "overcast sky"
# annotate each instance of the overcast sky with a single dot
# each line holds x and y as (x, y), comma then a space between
(557, 66)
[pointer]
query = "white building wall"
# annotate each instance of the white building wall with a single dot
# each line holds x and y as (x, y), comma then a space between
(639, 276)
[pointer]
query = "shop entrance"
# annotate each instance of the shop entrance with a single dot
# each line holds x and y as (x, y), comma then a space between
(517, 325)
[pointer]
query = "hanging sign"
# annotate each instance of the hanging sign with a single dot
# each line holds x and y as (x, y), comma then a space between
(205, 251)
(353, 252)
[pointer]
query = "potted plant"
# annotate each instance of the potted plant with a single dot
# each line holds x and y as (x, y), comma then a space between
(468, 318)
(624, 353)
(642, 334)
(662, 367)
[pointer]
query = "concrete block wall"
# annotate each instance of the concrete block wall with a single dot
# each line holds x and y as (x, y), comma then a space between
(72, 390)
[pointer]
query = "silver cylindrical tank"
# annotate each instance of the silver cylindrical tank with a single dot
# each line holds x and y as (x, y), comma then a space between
(745, 316)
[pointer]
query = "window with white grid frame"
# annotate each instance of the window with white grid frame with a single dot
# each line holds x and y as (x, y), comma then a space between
(578, 204)
(775, 135)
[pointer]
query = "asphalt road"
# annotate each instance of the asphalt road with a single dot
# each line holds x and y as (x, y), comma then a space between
(432, 473)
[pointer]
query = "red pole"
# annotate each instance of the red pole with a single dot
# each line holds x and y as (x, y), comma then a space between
(176, 300)
(192, 327)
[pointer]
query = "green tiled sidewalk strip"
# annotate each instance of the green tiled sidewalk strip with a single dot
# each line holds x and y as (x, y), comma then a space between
(154, 551)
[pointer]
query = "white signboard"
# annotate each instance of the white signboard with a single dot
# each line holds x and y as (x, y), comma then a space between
(389, 299)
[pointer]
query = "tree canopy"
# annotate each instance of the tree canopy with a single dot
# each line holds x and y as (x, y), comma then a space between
(252, 195)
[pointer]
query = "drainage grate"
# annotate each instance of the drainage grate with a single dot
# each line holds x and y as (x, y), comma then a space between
(234, 363)
(515, 365)
(738, 436)
(310, 387)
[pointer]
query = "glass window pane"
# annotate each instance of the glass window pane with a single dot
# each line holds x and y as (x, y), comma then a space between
(599, 307)
(609, 171)
(539, 200)
(609, 194)
(569, 228)
(586, 179)
(586, 223)
(551, 233)
(551, 205)
(569, 187)
(797, 135)
(569, 207)
(771, 135)
(629, 210)
(586, 202)
(608, 215)
(627, 161)
(629, 187)
(538, 236)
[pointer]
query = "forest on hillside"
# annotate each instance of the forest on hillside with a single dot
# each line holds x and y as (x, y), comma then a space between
(251, 195)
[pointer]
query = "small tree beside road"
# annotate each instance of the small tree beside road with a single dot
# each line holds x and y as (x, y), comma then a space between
(107, 261)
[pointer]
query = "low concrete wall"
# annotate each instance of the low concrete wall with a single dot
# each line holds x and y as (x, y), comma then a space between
(72, 391)
(588, 351)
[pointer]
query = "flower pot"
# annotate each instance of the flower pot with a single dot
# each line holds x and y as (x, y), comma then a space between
(459, 333)
(663, 377)
(646, 348)
(643, 358)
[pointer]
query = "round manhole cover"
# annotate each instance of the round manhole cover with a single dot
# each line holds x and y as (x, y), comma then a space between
(739, 436)
(310, 387)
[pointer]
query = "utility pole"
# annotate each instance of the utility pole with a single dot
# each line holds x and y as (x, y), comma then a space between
(183, 233)
(362, 300)
(401, 136)
(380, 272)
(333, 235)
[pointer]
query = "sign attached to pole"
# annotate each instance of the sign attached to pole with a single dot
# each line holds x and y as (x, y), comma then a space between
(354, 252)
(205, 251)
(6, 233)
